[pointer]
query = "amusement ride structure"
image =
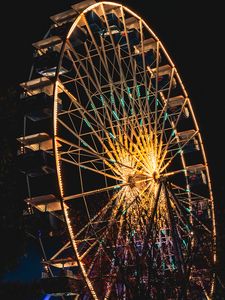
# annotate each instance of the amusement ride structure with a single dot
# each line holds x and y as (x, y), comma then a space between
(111, 149)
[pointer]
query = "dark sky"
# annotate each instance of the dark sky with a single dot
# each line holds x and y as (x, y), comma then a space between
(193, 36)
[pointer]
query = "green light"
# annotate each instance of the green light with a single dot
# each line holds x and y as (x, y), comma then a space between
(122, 102)
(186, 226)
(185, 244)
(84, 143)
(129, 92)
(172, 263)
(93, 106)
(124, 212)
(112, 136)
(148, 97)
(112, 98)
(164, 231)
(138, 91)
(116, 187)
(88, 124)
(102, 100)
(115, 115)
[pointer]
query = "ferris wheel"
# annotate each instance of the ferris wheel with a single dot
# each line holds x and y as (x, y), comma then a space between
(112, 149)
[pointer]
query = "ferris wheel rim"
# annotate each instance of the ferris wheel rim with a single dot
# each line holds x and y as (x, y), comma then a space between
(55, 112)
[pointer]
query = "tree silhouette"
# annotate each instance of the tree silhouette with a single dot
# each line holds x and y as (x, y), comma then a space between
(11, 192)
(20, 291)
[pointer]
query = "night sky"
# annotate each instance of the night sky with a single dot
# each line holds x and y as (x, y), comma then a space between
(193, 36)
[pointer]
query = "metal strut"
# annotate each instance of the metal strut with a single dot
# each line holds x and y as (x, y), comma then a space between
(149, 230)
(178, 252)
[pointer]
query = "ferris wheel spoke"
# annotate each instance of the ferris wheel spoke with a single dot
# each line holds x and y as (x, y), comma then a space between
(63, 248)
(95, 133)
(185, 207)
(88, 154)
(93, 192)
(167, 175)
(118, 261)
(100, 236)
(97, 239)
(83, 142)
(193, 215)
(146, 75)
(97, 87)
(156, 87)
(147, 204)
(84, 68)
(140, 122)
(164, 108)
(108, 134)
(116, 110)
(102, 241)
(97, 49)
(149, 227)
(90, 169)
(132, 125)
(107, 108)
(101, 214)
(80, 139)
(122, 75)
(178, 117)
(112, 164)
(142, 104)
(144, 196)
(182, 216)
(178, 252)
(166, 99)
(102, 60)
(180, 148)
(95, 83)
(174, 126)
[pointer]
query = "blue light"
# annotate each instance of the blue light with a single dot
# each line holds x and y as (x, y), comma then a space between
(47, 297)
